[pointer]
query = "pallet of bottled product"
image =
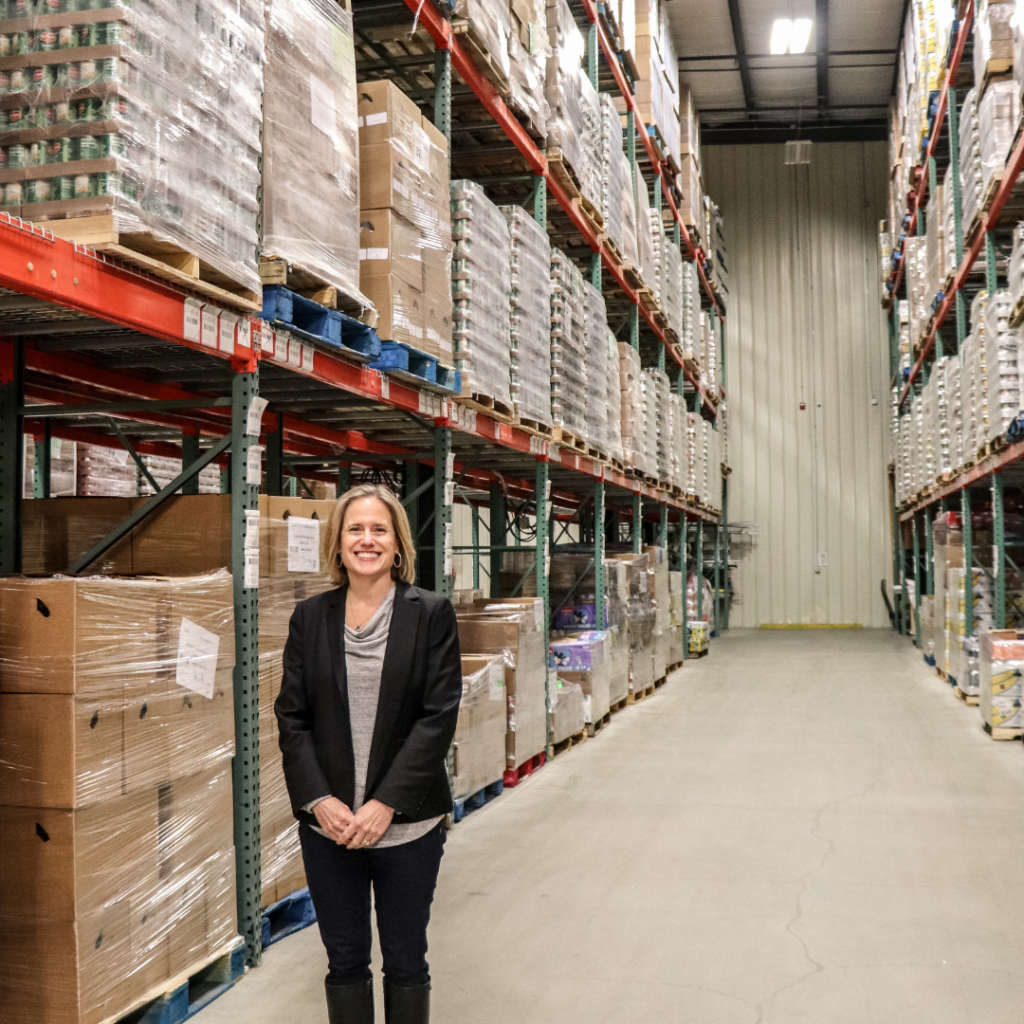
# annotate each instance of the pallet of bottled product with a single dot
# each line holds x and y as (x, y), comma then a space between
(110, 151)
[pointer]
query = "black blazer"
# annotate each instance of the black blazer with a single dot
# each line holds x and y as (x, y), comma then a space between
(420, 690)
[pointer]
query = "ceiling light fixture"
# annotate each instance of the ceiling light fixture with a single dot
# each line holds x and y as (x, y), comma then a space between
(781, 32)
(801, 35)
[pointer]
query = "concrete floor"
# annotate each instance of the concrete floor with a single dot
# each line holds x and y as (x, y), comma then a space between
(804, 828)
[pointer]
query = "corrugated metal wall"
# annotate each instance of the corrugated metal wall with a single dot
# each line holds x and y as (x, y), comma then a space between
(805, 326)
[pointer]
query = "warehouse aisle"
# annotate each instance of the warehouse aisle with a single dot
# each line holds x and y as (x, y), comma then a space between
(804, 827)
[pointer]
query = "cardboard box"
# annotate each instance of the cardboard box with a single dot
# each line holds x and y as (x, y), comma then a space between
(399, 308)
(437, 297)
(389, 244)
(187, 535)
(66, 972)
(150, 937)
(385, 113)
(196, 820)
(76, 635)
(276, 538)
(389, 178)
(480, 734)
(57, 531)
(59, 750)
(64, 864)
(148, 731)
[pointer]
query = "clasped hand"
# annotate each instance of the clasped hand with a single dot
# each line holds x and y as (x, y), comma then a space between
(357, 830)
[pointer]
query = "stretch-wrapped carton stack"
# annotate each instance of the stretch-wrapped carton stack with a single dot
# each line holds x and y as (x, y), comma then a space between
(479, 745)
(568, 346)
(1016, 268)
(1001, 696)
(150, 117)
(916, 255)
(579, 660)
(615, 178)
(481, 285)
(634, 421)
(527, 65)
(613, 397)
(998, 118)
(658, 581)
(994, 25)
(117, 864)
(311, 206)
(692, 324)
(1003, 370)
(596, 369)
(405, 234)
(640, 619)
(971, 175)
(647, 265)
(657, 385)
(672, 288)
(530, 317)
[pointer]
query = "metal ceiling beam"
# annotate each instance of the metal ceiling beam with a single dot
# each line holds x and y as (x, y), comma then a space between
(821, 12)
(741, 53)
(779, 56)
(772, 133)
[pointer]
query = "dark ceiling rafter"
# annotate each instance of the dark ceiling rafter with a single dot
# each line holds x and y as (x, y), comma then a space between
(809, 53)
(741, 53)
(821, 31)
(762, 133)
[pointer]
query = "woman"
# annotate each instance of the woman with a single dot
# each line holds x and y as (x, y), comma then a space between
(367, 713)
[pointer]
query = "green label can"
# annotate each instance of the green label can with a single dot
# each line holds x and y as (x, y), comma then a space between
(110, 145)
(26, 42)
(88, 148)
(84, 186)
(17, 156)
(54, 6)
(86, 110)
(46, 40)
(12, 193)
(86, 34)
(20, 78)
(42, 77)
(5, 82)
(17, 118)
(3, 158)
(66, 37)
(39, 190)
(66, 187)
(106, 183)
(86, 72)
(113, 32)
(58, 151)
(5, 44)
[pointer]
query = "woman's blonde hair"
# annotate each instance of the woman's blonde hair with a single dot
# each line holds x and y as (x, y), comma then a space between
(406, 570)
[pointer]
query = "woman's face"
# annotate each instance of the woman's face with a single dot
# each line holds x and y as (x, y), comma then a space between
(368, 541)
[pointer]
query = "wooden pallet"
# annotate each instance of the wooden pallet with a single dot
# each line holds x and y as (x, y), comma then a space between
(147, 251)
(593, 728)
(598, 456)
(659, 683)
(997, 69)
(639, 695)
(618, 705)
(564, 173)
(613, 252)
(998, 732)
(591, 213)
(536, 428)
(463, 28)
(691, 364)
(677, 667)
(476, 800)
(700, 654)
(970, 699)
(569, 440)
(618, 465)
(1017, 316)
(941, 673)
(275, 270)
(569, 742)
(184, 995)
(647, 299)
(632, 276)
(492, 407)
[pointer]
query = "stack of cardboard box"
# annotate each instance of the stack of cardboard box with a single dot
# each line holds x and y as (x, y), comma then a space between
(640, 619)
(658, 579)
(580, 659)
(405, 244)
(117, 866)
(480, 734)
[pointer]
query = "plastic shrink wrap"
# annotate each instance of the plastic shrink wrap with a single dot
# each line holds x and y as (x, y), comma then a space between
(993, 38)
(647, 265)
(614, 398)
(1016, 267)
(579, 658)
(310, 142)
(151, 116)
(692, 324)
(971, 177)
(567, 713)
(568, 346)
(672, 288)
(527, 49)
(481, 286)
(614, 173)
(1001, 662)
(998, 118)
(675, 583)
(658, 581)
(480, 734)
(633, 414)
(596, 369)
(530, 317)
(117, 868)
(514, 629)
(659, 421)
(640, 620)
(1002, 365)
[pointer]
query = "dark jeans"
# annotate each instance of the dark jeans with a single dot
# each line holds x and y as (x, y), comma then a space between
(403, 879)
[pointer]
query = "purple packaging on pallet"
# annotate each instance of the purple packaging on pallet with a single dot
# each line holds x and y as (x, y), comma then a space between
(576, 655)
(576, 616)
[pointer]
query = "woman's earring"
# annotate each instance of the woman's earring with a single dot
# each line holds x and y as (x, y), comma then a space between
(398, 559)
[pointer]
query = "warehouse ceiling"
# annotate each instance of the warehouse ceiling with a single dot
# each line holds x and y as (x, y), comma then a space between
(838, 90)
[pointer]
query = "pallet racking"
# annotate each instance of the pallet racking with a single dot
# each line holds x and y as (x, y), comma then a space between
(913, 559)
(96, 351)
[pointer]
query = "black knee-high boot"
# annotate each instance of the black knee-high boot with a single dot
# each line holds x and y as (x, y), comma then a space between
(350, 1004)
(407, 1004)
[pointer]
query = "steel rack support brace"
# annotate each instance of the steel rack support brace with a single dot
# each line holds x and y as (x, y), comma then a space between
(599, 542)
(189, 454)
(965, 498)
(12, 451)
(444, 488)
(499, 536)
(42, 453)
(998, 551)
(543, 490)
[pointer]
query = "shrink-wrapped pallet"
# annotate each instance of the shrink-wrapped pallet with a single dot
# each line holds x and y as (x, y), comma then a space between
(613, 398)
(993, 39)
(161, 133)
(692, 321)
(640, 621)
(935, 237)
(596, 369)
(1002, 366)
(998, 119)
(530, 317)
(481, 285)
(659, 421)
(614, 173)
(672, 288)
(949, 258)
(568, 346)
(971, 175)
(117, 867)
(568, 714)
(527, 50)
(1000, 675)
(634, 420)
(1016, 267)
(513, 629)
(490, 25)
(585, 659)
(311, 205)
(647, 266)
(479, 745)
(916, 257)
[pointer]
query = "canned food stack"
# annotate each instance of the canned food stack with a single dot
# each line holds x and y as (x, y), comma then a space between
(1004, 380)
(998, 118)
(644, 238)
(677, 406)
(568, 346)
(971, 187)
(634, 418)
(658, 426)
(150, 113)
(596, 369)
(993, 36)
(530, 317)
(613, 398)
(311, 205)
(942, 440)
(614, 173)
(975, 365)
(949, 260)
(709, 350)
(528, 62)
(657, 251)
(935, 240)
(672, 287)
(691, 467)
(916, 256)
(690, 338)
(481, 286)
(1016, 267)
(574, 120)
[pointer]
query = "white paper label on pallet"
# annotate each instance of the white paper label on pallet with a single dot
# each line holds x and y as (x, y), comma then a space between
(449, 492)
(307, 358)
(193, 314)
(119, 456)
(196, 667)
(303, 544)
(373, 254)
(385, 385)
(587, 717)
(424, 402)
(447, 549)
(496, 681)
(254, 465)
(322, 110)
(55, 447)
(208, 326)
(379, 118)
(251, 576)
(228, 322)
(254, 417)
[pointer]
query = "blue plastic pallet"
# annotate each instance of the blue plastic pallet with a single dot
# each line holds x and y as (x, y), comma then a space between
(477, 799)
(195, 994)
(410, 364)
(318, 323)
(287, 916)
